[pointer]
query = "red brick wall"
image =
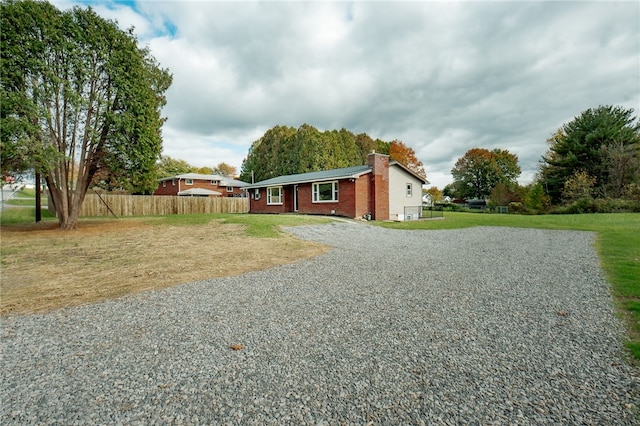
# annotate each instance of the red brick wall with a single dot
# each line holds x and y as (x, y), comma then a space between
(347, 204)
(362, 195)
(379, 190)
(260, 206)
(171, 189)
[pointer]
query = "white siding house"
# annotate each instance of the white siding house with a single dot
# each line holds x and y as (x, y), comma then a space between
(405, 193)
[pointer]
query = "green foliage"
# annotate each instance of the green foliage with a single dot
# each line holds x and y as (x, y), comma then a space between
(536, 199)
(81, 102)
(578, 187)
(478, 172)
(604, 143)
(23, 216)
(503, 195)
(168, 166)
(285, 150)
(599, 205)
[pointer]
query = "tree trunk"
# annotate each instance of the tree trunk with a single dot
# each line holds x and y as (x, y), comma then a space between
(38, 198)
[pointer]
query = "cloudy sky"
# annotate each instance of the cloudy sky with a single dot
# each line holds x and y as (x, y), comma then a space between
(443, 77)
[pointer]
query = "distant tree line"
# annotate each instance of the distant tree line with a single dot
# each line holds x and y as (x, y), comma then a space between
(168, 166)
(592, 165)
(284, 150)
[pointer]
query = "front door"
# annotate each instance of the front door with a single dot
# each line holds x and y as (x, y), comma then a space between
(295, 198)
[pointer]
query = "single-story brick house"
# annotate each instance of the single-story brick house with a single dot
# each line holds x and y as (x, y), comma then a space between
(200, 185)
(381, 190)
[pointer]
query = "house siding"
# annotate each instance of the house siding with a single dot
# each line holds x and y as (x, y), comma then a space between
(180, 185)
(379, 189)
(398, 200)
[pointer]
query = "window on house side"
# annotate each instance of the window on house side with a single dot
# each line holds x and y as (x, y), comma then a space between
(214, 182)
(256, 193)
(274, 195)
(173, 182)
(188, 181)
(325, 192)
(229, 188)
(409, 190)
(164, 183)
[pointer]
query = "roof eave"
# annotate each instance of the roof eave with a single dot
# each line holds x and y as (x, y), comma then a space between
(298, 182)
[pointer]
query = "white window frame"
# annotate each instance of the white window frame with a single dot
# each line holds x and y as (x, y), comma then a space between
(164, 183)
(188, 181)
(256, 193)
(229, 188)
(173, 182)
(274, 200)
(409, 189)
(315, 190)
(214, 182)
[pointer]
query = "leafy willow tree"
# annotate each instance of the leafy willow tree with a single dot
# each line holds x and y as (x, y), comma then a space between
(80, 103)
(604, 144)
(478, 172)
(285, 150)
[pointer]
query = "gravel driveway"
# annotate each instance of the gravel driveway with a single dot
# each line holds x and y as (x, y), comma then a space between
(475, 326)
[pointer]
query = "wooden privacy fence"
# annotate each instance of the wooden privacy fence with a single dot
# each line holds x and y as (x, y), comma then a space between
(147, 205)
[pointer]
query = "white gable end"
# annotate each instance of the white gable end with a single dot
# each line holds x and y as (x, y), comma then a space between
(405, 195)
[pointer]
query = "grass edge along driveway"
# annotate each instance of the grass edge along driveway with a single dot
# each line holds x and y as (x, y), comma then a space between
(617, 244)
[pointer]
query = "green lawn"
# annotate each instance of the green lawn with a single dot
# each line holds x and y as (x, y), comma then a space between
(618, 245)
(618, 242)
(22, 215)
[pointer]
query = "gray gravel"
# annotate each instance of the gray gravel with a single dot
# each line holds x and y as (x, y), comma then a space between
(474, 326)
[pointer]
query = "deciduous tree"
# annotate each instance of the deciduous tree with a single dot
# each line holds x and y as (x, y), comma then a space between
(406, 156)
(285, 150)
(478, 172)
(79, 98)
(224, 169)
(169, 166)
(434, 193)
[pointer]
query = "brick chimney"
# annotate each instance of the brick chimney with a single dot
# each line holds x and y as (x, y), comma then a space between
(379, 195)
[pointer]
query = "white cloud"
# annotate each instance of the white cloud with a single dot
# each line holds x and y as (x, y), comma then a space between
(443, 77)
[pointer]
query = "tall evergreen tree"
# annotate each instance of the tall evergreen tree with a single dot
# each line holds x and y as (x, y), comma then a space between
(603, 142)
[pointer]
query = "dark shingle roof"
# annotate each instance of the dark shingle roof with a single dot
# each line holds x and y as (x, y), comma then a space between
(344, 173)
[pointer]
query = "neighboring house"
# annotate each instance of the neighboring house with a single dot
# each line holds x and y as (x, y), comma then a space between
(199, 185)
(380, 190)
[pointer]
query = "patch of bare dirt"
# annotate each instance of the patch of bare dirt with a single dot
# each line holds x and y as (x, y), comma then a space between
(44, 268)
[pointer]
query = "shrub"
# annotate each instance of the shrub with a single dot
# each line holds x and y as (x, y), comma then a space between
(599, 205)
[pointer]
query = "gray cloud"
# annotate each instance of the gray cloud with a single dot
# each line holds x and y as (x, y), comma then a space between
(442, 77)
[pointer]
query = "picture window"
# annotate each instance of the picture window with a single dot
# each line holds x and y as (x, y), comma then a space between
(325, 192)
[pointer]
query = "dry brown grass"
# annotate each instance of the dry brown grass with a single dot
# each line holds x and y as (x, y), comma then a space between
(44, 268)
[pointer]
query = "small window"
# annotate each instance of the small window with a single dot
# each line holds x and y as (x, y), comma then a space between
(188, 181)
(409, 190)
(164, 183)
(173, 182)
(229, 188)
(214, 182)
(325, 192)
(274, 195)
(256, 193)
